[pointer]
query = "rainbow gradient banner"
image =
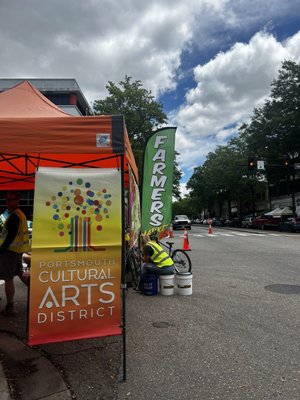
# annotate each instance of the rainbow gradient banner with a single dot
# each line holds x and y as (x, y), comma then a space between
(76, 255)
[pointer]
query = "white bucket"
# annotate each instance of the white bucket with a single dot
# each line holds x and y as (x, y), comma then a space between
(167, 284)
(184, 283)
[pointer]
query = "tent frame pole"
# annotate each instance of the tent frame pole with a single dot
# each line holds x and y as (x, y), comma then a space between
(123, 258)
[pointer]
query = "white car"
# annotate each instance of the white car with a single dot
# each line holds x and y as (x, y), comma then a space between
(181, 222)
(247, 222)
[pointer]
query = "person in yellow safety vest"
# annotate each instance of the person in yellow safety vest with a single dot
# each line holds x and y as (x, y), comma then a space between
(14, 242)
(156, 260)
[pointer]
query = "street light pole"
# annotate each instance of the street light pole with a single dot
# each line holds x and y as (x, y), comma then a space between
(292, 156)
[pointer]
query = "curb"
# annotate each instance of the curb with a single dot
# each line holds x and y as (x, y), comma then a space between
(4, 389)
(29, 375)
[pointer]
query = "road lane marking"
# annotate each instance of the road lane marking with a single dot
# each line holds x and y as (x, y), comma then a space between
(241, 234)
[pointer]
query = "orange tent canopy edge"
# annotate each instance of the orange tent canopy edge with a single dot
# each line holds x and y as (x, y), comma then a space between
(46, 136)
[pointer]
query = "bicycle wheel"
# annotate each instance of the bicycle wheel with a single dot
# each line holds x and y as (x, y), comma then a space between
(135, 264)
(182, 261)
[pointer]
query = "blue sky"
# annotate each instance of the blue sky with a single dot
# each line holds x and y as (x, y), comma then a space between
(210, 62)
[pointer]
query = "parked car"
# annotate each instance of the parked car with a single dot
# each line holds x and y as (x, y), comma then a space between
(290, 225)
(266, 221)
(247, 222)
(181, 222)
(197, 221)
(217, 222)
(235, 222)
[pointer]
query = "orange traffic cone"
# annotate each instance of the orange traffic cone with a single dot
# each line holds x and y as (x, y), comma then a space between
(171, 236)
(186, 245)
(210, 230)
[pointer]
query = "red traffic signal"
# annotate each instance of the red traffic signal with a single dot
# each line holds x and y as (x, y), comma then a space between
(286, 162)
(251, 163)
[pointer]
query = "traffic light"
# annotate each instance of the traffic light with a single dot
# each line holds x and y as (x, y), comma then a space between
(286, 162)
(251, 164)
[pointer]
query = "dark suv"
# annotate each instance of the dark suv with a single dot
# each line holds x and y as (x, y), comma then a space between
(290, 225)
(181, 222)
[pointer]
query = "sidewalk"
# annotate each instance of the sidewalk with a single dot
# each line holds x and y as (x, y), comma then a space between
(25, 373)
(159, 349)
(82, 370)
(4, 389)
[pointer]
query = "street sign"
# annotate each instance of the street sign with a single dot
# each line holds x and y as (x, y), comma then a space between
(260, 165)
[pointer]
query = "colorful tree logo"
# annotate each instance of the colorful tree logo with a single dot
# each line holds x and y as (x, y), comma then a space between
(75, 209)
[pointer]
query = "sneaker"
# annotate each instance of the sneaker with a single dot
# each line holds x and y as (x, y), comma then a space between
(137, 290)
(8, 310)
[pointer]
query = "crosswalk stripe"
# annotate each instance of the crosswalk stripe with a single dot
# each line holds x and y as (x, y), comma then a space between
(241, 234)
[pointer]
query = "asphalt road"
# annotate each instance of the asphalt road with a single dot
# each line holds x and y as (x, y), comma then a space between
(236, 337)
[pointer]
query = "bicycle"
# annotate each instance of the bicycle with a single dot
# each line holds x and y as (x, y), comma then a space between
(134, 264)
(182, 261)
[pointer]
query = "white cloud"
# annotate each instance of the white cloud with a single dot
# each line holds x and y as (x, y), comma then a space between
(96, 41)
(228, 88)
(183, 190)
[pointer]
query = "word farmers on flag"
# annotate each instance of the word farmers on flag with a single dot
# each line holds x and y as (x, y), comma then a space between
(158, 181)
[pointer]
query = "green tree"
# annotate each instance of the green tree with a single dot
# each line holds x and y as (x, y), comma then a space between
(217, 179)
(201, 196)
(142, 114)
(273, 131)
(224, 178)
(183, 207)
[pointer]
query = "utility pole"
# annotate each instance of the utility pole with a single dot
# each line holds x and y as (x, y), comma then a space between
(289, 163)
(252, 167)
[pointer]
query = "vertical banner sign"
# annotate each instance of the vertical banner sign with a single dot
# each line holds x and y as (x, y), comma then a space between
(158, 181)
(76, 255)
(134, 216)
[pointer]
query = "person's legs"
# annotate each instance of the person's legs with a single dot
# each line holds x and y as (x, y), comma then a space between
(151, 268)
(10, 265)
(154, 269)
(25, 278)
(10, 291)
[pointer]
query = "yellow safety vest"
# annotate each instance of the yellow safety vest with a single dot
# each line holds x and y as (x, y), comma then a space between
(160, 257)
(20, 243)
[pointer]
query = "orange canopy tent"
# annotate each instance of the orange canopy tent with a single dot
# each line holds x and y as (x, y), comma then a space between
(35, 132)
